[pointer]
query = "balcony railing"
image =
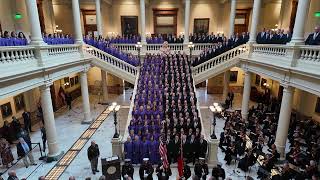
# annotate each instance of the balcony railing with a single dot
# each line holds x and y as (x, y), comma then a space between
(16, 54)
(21, 59)
(229, 55)
(154, 48)
(107, 58)
(303, 57)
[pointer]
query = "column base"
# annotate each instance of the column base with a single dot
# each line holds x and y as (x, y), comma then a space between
(87, 121)
(244, 116)
(213, 152)
(54, 157)
(281, 150)
(117, 147)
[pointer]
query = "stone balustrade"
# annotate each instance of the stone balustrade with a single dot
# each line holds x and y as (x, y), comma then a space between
(111, 60)
(16, 54)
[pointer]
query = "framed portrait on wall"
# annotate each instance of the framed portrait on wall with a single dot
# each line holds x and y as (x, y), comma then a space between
(233, 76)
(201, 25)
(66, 82)
(76, 80)
(257, 82)
(6, 110)
(263, 81)
(72, 81)
(129, 25)
(317, 110)
(19, 102)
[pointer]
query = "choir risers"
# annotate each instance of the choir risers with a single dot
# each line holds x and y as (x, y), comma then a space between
(111, 64)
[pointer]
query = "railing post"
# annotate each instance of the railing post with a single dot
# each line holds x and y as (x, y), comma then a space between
(250, 46)
(293, 54)
(41, 53)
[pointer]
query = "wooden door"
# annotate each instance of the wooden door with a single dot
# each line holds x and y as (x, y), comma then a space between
(41, 17)
(293, 14)
(89, 21)
(165, 20)
(242, 20)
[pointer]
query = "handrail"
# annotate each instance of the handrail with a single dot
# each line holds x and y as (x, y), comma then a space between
(111, 59)
(16, 53)
(206, 66)
(126, 132)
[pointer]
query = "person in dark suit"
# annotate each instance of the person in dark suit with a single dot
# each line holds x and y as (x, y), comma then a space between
(93, 155)
(201, 169)
(261, 36)
(27, 121)
(44, 138)
(218, 172)
(69, 100)
(24, 150)
(146, 170)
(12, 175)
(163, 173)
(314, 38)
(127, 169)
(203, 146)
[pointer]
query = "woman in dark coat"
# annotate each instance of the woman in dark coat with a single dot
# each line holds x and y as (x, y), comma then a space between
(5, 152)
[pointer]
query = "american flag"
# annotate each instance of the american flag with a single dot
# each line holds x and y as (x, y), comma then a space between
(163, 153)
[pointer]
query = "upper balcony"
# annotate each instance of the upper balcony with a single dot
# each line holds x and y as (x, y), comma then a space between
(25, 67)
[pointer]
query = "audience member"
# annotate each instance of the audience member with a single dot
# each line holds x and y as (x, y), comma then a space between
(5, 153)
(314, 38)
(24, 150)
(93, 155)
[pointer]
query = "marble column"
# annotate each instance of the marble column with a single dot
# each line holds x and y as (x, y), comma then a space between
(282, 9)
(232, 16)
(85, 98)
(104, 85)
(49, 122)
(284, 120)
(246, 94)
(186, 21)
(300, 21)
(77, 22)
(143, 21)
(255, 20)
(99, 17)
(36, 36)
(226, 81)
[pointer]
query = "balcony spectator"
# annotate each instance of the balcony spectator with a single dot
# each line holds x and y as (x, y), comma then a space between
(314, 38)
(12, 39)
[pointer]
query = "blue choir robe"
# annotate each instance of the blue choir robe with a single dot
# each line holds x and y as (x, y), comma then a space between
(145, 127)
(136, 159)
(128, 149)
(154, 152)
(144, 149)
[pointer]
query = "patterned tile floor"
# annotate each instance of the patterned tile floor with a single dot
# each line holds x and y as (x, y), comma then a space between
(69, 128)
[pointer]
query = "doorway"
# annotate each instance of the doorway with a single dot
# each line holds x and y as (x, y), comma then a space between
(242, 20)
(90, 22)
(165, 20)
(293, 14)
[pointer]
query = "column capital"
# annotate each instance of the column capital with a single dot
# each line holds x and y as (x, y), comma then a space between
(46, 85)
